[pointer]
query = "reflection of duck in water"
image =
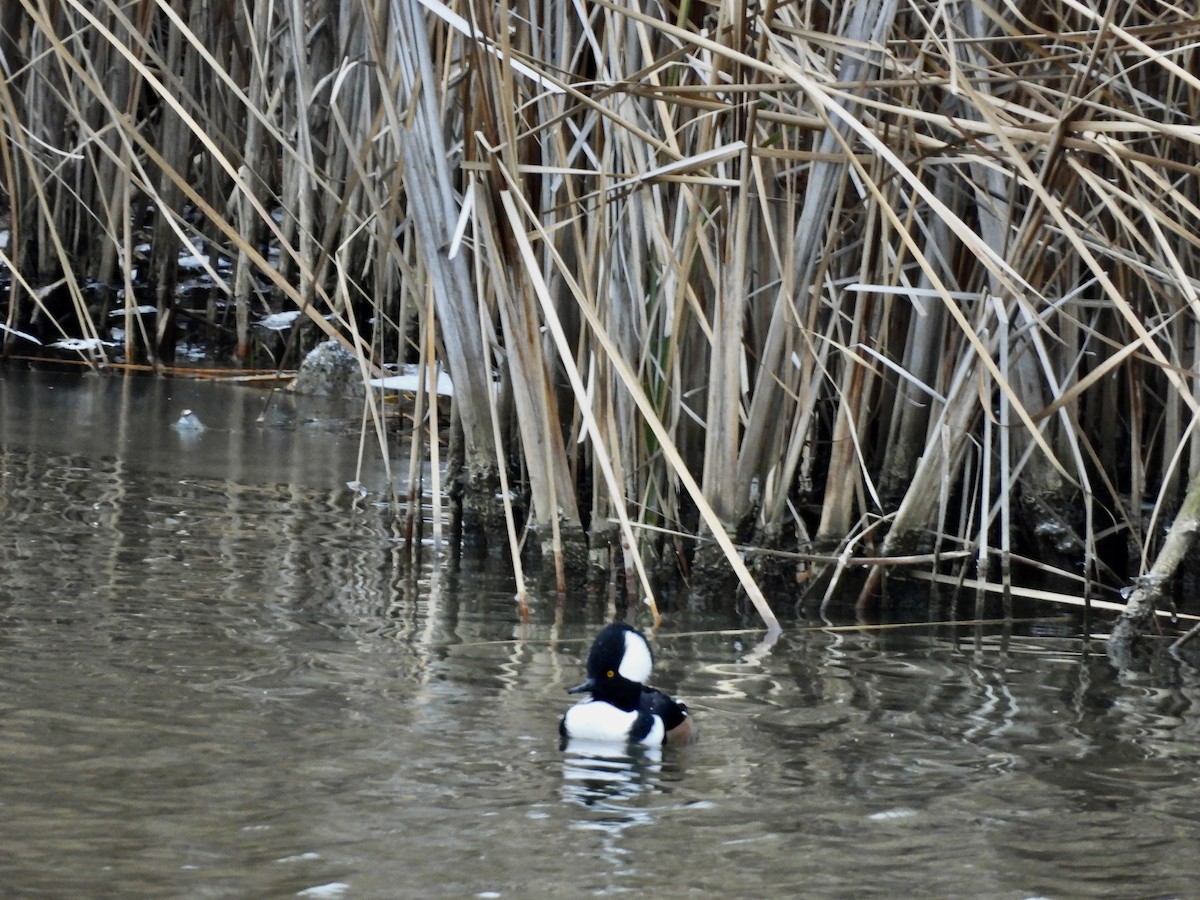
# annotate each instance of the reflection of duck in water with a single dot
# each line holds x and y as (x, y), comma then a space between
(622, 709)
(604, 776)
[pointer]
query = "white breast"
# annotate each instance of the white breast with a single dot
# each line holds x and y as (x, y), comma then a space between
(595, 720)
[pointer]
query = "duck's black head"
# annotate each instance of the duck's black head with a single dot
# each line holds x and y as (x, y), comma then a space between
(618, 665)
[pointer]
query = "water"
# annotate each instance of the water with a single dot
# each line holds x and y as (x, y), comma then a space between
(221, 676)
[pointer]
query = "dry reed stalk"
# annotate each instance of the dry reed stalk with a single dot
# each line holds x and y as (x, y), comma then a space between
(430, 374)
(432, 209)
(254, 151)
(552, 494)
(510, 522)
(413, 515)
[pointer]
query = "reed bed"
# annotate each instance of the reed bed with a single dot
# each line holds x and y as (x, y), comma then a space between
(875, 279)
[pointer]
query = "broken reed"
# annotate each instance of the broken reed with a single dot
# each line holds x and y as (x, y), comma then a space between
(870, 274)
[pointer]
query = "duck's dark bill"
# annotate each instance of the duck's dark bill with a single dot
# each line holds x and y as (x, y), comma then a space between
(585, 688)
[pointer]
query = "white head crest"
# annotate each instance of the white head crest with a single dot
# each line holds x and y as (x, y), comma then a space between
(636, 662)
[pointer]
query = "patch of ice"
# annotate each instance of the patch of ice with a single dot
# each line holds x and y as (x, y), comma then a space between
(193, 262)
(280, 321)
(81, 344)
(197, 352)
(20, 334)
(144, 310)
(411, 380)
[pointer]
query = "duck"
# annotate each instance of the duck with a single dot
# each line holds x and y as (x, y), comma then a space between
(622, 707)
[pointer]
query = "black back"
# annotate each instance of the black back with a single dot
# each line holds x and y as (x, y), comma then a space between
(671, 711)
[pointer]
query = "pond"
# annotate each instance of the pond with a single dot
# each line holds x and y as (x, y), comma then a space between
(224, 676)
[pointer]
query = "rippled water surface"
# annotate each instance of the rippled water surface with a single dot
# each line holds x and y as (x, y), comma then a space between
(222, 676)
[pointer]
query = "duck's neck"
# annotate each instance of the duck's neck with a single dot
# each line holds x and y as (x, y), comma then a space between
(620, 692)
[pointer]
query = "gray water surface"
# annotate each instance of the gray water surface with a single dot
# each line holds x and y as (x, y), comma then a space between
(222, 675)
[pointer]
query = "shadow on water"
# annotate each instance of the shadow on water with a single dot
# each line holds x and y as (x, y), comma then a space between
(221, 676)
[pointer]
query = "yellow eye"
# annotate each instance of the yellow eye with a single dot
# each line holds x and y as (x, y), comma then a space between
(610, 673)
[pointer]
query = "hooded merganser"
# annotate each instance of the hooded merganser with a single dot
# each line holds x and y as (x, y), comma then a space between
(622, 707)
